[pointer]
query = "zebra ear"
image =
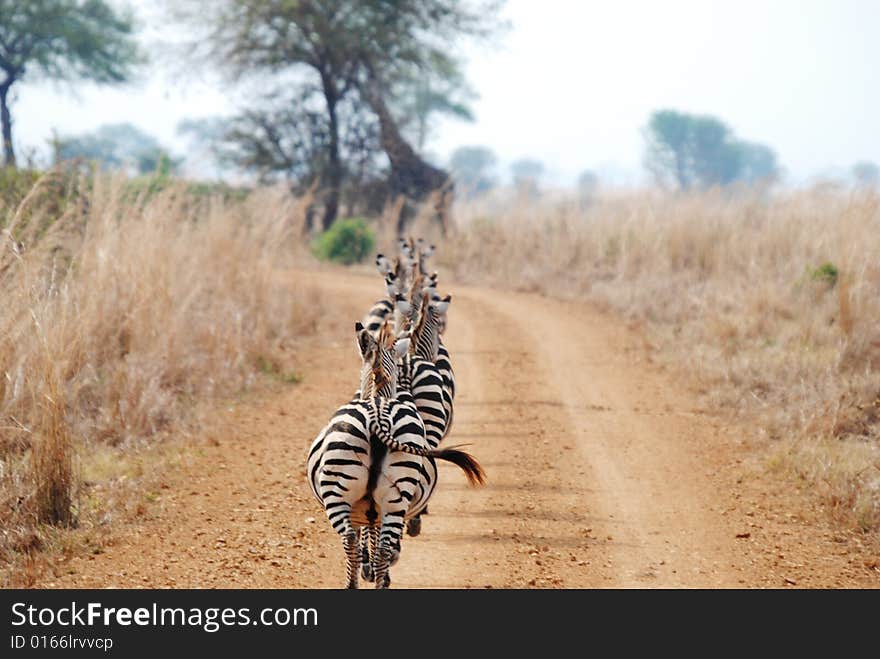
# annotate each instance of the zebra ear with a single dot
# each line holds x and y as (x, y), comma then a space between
(443, 305)
(365, 340)
(405, 248)
(391, 285)
(383, 264)
(402, 346)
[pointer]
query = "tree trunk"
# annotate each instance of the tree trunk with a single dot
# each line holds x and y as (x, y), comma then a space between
(333, 177)
(6, 121)
(410, 175)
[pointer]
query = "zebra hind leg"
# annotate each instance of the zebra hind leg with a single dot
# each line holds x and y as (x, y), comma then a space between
(387, 553)
(381, 560)
(352, 554)
(369, 540)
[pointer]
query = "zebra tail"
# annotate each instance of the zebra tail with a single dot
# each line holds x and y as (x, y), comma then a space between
(464, 461)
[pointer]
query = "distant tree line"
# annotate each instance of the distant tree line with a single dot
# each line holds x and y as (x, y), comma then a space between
(116, 146)
(351, 90)
(473, 168)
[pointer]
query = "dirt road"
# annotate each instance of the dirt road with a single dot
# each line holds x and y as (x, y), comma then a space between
(603, 472)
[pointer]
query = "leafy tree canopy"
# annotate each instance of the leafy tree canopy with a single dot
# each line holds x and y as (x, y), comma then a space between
(61, 40)
(527, 173)
(526, 169)
(700, 151)
(472, 167)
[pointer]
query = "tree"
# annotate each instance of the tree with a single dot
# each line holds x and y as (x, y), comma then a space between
(472, 167)
(587, 185)
(866, 174)
(757, 163)
(527, 173)
(287, 140)
(701, 151)
(61, 40)
(116, 146)
(360, 51)
(713, 152)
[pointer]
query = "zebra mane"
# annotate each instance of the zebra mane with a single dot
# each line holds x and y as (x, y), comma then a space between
(379, 368)
(418, 328)
(381, 362)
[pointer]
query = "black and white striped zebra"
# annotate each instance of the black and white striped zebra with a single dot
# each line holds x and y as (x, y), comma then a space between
(427, 284)
(408, 311)
(371, 466)
(434, 346)
(426, 382)
(410, 268)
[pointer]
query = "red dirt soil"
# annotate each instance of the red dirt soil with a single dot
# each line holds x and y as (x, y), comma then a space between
(603, 471)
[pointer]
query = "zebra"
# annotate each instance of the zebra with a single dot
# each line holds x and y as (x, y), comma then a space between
(426, 383)
(425, 380)
(394, 287)
(441, 356)
(371, 466)
(435, 382)
(437, 350)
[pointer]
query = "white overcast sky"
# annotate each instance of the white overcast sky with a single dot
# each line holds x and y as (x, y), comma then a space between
(572, 83)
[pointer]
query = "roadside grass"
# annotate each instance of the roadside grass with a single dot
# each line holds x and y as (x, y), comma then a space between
(769, 303)
(125, 315)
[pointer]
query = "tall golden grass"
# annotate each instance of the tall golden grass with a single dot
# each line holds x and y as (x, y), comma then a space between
(121, 308)
(771, 302)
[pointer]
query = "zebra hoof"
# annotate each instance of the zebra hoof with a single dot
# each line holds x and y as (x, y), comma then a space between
(386, 582)
(414, 526)
(367, 571)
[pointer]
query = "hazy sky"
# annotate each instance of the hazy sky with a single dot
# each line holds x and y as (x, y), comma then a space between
(572, 83)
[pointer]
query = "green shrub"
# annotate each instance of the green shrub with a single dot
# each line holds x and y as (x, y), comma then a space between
(827, 272)
(14, 186)
(348, 241)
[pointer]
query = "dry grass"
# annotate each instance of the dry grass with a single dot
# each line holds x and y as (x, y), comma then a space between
(731, 289)
(122, 310)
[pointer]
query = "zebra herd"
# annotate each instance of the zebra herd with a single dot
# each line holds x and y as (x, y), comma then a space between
(373, 466)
